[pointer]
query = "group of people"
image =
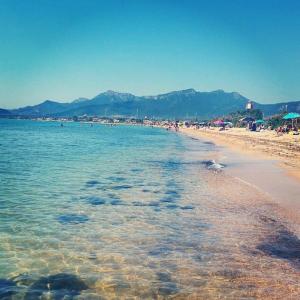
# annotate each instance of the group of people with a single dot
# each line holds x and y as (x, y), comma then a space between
(287, 129)
(253, 126)
(174, 126)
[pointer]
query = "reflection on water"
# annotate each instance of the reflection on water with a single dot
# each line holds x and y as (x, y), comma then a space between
(114, 212)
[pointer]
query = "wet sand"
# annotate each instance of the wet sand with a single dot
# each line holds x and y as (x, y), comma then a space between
(255, 159)
(256, 253)
(285, 149)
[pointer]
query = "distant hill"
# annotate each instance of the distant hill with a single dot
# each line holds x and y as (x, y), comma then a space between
(47, 108)
(272, 109)
(178, 104)
(4, 112)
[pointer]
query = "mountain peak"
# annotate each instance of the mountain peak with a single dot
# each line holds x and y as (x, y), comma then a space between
(111, 92)
(185, 92)
(219, 91)
(80, 99)
(188, 91)
(112, 96)
(114, 93)
(179, 93)
(48, 102)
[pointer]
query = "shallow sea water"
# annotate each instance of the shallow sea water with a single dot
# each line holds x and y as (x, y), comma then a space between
(133, 213)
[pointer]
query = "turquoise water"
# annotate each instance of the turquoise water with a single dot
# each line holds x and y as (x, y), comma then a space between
(123, 212)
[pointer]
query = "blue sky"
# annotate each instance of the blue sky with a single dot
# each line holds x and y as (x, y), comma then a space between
(65, 49)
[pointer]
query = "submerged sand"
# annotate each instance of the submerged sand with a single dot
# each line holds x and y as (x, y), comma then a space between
(173, 229)
(256, 230)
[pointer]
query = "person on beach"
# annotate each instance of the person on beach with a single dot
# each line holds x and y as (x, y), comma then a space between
(249, 126)
(279, 130)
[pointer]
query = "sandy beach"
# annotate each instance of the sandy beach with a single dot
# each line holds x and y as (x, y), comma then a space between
(262, 160)
(285, 149)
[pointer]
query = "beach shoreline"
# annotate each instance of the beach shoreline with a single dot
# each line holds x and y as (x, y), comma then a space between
(276, 177)
(285, 149)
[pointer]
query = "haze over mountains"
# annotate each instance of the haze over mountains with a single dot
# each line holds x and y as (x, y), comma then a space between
(178, 104)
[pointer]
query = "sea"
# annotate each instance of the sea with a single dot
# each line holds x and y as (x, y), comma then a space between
(92, 211)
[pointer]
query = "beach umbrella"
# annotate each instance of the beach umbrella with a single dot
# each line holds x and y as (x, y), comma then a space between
(259, 121)
(228, 124)
(219, 122)
(291, 116)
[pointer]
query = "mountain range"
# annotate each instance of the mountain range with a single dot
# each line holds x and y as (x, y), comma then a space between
(182, 104)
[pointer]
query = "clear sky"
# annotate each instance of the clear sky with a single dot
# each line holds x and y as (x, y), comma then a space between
(65, 49)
